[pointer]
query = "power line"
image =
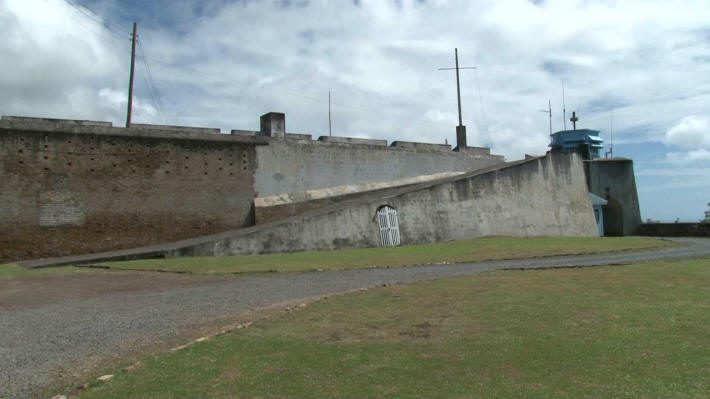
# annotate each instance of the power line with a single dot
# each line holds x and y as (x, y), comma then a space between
(100, 32)
(483, 114)
(77, 5)
(153, 90)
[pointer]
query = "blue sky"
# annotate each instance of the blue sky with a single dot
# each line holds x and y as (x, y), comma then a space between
(222, 63)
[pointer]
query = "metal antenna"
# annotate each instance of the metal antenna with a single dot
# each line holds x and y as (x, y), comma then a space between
(330, 126)
(611, 132)
(564, 109)
(548, 111)
(460, 129)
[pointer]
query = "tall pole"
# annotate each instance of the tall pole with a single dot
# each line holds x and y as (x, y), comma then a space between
(458, 86)
(130, 79)
(549, 107)
(460, 129)
(330, 126)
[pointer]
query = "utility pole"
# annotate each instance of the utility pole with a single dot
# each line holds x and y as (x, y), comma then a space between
(330, 126)
(130, 79)
(460, 129)
(548, 111)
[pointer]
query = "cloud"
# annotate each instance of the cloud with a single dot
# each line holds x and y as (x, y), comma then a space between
(223, 63)
(60, 61)
(691, 132)
(688, 157)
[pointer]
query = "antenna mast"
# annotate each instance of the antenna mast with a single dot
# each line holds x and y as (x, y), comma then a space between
(610, 153)
(460, 129)
(548, 111)
(330, 126)
(130, 79)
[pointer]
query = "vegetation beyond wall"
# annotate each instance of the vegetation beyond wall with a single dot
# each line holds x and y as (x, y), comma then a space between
(675, 229)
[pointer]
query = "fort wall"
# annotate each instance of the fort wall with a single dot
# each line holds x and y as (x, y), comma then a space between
(288, 166)
(72, 187)
(613, 179)
(545, 196)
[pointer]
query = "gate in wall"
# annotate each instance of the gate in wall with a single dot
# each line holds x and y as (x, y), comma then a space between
(389, 226)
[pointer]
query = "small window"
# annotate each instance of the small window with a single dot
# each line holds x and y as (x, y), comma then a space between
(389, 226)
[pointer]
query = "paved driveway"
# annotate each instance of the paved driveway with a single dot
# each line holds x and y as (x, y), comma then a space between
(50, 334)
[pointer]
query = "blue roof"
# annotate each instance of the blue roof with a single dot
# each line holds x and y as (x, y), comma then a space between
(597, 200)
(571, 139)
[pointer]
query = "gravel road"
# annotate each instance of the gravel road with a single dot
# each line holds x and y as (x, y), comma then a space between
(36, 341)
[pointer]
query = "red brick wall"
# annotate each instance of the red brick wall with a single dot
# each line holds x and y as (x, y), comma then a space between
(65, 193)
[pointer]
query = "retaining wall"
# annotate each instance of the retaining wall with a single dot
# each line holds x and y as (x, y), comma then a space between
(288, 166)
(72, 187)
(614, 180)
(544, 196)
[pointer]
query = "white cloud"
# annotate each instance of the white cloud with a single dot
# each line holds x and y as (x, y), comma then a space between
(688, 157)
(379, 60)
(59, 61)
(691, 132)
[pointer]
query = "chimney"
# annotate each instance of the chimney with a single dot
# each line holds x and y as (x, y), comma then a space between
(273, 124)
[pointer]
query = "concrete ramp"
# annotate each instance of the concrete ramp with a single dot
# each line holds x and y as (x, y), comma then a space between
(543, 196)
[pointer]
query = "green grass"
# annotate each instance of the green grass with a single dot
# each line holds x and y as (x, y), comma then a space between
(454, 251)
(638, 331)
(11, 270)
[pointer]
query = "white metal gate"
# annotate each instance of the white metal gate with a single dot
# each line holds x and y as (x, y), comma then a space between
(389, 226)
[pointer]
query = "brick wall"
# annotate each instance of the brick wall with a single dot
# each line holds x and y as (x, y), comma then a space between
(74, 191)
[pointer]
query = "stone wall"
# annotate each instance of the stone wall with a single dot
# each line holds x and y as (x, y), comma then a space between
(72, 187)
(545, 196)
(288, 166)
(614, 180)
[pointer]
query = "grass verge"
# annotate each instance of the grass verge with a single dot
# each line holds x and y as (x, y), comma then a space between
(477, 249)
(615, 331)
(11, 270)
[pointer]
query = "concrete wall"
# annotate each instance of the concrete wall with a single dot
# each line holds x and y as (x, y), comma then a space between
(287, 166)
(71, 187)
(614, 180)
(275, 207)
(544, 196)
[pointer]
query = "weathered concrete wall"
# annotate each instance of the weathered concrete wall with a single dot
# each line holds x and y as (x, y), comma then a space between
(675, 229)
(288, 166)
(614, 180)
(544, 196)
(280, 206)
(71, 187)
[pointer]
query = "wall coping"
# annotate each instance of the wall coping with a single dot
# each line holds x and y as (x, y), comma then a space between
(139, 130)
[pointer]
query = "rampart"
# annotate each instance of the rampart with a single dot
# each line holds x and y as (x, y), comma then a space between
(613, 179)
(545, 196)
(71, 187)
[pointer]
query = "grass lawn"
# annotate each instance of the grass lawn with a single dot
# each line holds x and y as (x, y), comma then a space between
(476, 249)
(11, 270)
(637, 331)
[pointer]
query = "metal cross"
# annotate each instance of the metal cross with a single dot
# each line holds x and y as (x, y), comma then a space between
(458, 86)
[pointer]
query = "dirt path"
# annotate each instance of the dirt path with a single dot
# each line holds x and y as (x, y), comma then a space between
(53, 323)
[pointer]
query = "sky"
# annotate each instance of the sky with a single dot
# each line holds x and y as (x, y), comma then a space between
(635, 70)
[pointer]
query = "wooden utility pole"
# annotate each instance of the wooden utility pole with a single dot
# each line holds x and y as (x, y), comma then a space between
(330, 127)
(130, 79)
(460, 129)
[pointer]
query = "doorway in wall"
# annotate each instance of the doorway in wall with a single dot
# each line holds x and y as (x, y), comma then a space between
(389, 226)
